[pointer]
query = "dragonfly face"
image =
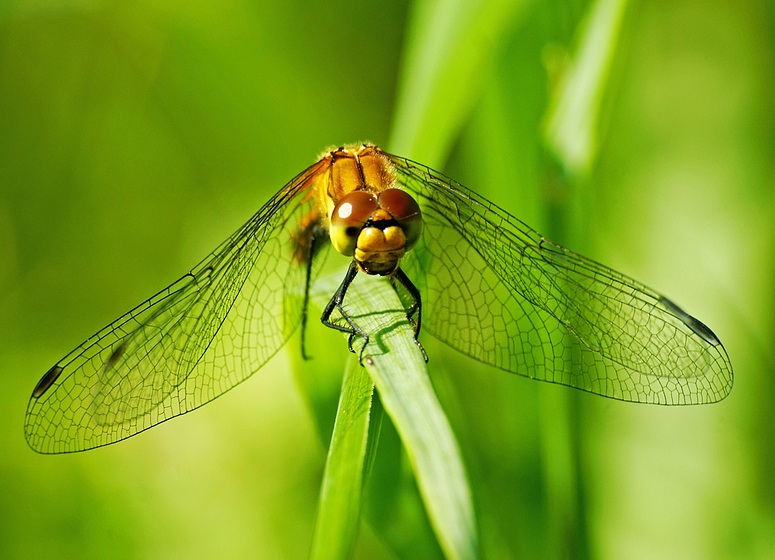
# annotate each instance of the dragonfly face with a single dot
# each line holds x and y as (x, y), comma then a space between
(376, 230)
(483, 282)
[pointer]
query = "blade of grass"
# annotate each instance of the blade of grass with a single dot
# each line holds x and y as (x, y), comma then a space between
(349, 457)
(448, 49)
(398, 369)
(571, 124)
(571, 136)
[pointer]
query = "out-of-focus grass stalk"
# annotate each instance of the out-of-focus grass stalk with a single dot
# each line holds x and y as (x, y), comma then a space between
(571, 136)
(448, 51)
(571, 130)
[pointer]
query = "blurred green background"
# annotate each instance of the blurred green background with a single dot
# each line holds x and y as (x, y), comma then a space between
(136, 136)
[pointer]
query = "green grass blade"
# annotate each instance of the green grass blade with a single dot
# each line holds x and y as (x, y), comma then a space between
(349, 456)
(571, 134)
(398, 369)
(572, 122)
(409, 398)
(447, 54)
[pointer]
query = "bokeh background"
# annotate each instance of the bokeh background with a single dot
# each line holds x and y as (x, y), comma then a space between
(136, 136)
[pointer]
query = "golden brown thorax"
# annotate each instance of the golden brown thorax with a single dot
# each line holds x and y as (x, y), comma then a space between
(358, 183)
(362, 167)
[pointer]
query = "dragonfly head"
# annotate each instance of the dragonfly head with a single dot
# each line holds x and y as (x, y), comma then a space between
(376, 229)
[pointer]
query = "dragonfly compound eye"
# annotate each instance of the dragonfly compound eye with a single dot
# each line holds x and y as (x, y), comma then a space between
(405, 210)
(348, 218)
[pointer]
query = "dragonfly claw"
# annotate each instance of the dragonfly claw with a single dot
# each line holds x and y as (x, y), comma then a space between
(350, 343)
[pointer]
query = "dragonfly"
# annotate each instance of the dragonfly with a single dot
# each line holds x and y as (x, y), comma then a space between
(470, 274)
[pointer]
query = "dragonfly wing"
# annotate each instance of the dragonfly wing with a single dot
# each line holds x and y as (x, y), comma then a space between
(186, 345)
(496, 290)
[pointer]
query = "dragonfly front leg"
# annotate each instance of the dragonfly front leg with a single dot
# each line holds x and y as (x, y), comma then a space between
(416, 306)
(336, 303)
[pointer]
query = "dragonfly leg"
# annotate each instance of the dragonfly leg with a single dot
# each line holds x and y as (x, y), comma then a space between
(336, 303)
(312, 238)
(415, 308)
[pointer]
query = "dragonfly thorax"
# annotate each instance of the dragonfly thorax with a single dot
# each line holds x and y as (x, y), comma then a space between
(350, 169)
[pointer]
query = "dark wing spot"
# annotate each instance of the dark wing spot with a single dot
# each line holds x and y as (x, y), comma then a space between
(46, 381)
(699, 328)
(115, 356)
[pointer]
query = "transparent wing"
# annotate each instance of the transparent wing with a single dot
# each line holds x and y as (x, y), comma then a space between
(189, 343)
(499, 292)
